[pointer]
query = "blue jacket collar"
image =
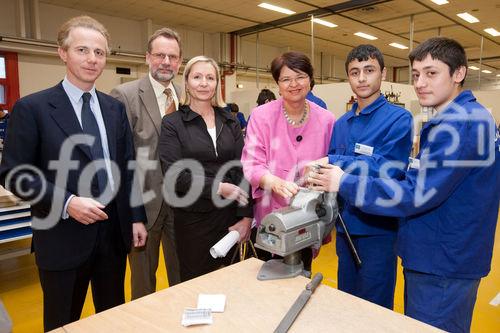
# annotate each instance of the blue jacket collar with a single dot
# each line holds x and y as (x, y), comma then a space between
(379, 102)
(455, 107)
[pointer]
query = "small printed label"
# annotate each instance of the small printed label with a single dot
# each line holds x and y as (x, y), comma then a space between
(363, 149)
(196, 317)
(414, 163)
(302, 237)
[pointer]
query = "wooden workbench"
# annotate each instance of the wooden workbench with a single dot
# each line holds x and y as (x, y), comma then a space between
(252, 306)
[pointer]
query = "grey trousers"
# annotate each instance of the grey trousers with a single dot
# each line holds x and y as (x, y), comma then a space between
(144, 261)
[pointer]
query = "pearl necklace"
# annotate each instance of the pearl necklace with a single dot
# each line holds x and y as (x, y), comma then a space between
(302, 119)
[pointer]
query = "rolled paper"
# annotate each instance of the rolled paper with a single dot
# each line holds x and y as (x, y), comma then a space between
(225, 244)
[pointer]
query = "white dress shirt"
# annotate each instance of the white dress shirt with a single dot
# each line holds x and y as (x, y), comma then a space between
(75, 96)
(161, 98)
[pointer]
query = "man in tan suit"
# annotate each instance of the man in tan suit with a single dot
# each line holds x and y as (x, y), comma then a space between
(147, 100)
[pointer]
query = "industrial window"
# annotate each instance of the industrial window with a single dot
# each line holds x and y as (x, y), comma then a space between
(2, 80)
(2, 94)
(9, 80)
(2, 67)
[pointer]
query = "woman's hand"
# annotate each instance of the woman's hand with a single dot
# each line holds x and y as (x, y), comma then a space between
(284, 188)
(279, 186)
(232, 192)
(243, 227)
(326, 178)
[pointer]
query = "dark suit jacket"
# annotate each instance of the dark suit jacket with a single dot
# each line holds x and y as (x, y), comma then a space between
(39, 125)
(145, 120)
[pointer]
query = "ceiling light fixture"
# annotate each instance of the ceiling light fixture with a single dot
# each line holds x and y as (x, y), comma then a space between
(493, 32)
(498, 75)
(468, 17)
(474, 68)
(325, 23)
(276, 8)
(440, 2)
(366, 36)
(398, 46)
(486, 71)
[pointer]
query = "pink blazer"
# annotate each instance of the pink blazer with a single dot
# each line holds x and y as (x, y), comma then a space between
(273, 146)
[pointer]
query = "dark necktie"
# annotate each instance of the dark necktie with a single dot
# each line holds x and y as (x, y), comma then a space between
(90, 127)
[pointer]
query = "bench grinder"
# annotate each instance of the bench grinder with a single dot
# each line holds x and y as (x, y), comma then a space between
(310, 217)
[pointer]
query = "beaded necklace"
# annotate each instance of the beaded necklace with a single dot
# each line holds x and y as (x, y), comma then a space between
(302, 119)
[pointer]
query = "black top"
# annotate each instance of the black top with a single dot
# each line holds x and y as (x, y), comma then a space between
(184, 136)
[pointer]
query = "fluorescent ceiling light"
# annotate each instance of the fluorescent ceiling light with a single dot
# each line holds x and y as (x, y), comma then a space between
(468, 17)
(325, 23)
(492, 32)
(363, 35)
(498, 75)
(486, 71)
(276, 8)
(474, 68)
(398, 46)
(440, 2)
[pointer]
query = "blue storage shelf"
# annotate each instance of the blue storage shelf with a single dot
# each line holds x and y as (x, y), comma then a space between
(15, 223)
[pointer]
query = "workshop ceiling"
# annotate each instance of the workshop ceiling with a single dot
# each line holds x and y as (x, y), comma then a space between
(389, 21)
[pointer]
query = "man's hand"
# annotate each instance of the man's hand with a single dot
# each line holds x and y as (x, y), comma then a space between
(312, 166)
(139, 234)
(232, 192)
(325, 179)
(86, 210)
(243, 227)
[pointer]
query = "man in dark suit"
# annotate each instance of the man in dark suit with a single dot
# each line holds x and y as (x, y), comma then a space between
(147, 100)
(54, 138)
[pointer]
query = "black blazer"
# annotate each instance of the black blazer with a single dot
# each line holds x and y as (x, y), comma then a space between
(38, 126)
(184, 135)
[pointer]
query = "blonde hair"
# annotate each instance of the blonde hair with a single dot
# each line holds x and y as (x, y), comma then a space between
(80, 22)
(217, 100)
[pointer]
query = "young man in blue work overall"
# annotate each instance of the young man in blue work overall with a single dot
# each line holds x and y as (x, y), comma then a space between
(449, 197)
(373, 133)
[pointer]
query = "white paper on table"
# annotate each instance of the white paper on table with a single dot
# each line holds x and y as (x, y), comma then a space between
(225, 244)
(196, 317)
(214, 302)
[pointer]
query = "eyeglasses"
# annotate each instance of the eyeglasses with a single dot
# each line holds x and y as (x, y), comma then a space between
(162, 56)
(286, 81)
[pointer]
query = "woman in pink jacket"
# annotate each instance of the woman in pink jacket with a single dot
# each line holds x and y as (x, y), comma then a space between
(283, 136)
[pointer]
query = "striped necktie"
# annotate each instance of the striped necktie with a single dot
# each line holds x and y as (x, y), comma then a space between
(170, 104)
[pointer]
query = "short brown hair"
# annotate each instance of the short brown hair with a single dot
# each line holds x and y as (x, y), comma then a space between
(167, 33)
(364, 52)
(444, 49)
(80, 22)
(217, 100)
(295, 61)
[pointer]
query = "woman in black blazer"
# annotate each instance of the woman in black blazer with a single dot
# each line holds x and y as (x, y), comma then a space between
(200, 149)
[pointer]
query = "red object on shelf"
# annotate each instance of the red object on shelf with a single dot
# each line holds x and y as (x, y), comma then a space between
(11, 81)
